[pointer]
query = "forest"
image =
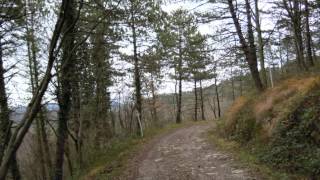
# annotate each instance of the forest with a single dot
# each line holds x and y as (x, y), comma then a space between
(89, 86)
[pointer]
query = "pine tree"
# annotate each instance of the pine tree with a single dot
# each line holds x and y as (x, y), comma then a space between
(181, 26)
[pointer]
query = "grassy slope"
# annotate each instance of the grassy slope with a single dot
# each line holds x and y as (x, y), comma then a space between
(277, 129)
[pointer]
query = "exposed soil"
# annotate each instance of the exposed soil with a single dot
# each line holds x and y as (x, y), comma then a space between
(185, 154)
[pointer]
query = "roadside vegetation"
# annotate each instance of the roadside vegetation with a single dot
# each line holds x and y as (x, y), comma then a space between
(279, 128)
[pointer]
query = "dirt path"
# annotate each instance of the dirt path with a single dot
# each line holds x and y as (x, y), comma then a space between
(185, 155)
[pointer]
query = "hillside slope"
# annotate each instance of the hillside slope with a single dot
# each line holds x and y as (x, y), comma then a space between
(281, 126)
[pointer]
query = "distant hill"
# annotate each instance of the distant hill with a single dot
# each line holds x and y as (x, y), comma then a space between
(17, 113)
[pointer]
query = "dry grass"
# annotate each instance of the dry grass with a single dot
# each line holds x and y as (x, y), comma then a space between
(273, 105)
(276, 103)
(231, 116)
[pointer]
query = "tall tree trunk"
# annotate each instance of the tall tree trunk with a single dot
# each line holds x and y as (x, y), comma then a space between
(45, 141)
(4, 113)
(154, 101)
(252, 56)
(217, 97)
(202, 101)
(100, 59)
(43, 144)
(249, 50)
(241, 82)
(119, 112)
(195, 118)
(281, 54)
(232, 86)
(14, 169)
(35, 102)
(40, 150)
(294, 13)
(32, 64)
(260, 45)
(213, 107)
(308, 34)
(64, 92)
(137, 78)
(5, 123)
(179, 97)
(76, 115)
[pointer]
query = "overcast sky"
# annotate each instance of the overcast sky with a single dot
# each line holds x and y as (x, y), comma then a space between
(18, 86)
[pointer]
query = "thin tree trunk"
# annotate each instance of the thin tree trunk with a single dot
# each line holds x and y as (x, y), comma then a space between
(68, 158)
(45, 141)
(154, 101)
(40, 151)
(241, 83)
(119, 111)
(137, 81)
(232, 86)
(43, 145)
(260, 45)
(175, 97)
(15, 172)
(281, 54)
(179, 99)
(5, 124)
(101, 75)
(217, 97)
(214, 108)
(195, 118)
(202, 102)
(76, 109)
(4, 113)
(308, 34)
(294, 13)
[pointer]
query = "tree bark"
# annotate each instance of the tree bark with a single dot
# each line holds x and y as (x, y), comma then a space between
(241, 83)
(202, 101)
(64, 92)
(4, 113)
(232, 86)
(103, 129)
(217, 97)
(154, 101)
(249, 50)
(119, 112)
(195, 118)
(179, 98)
(137, 81)
(5, 123)
(260, 45)
(308, 34)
